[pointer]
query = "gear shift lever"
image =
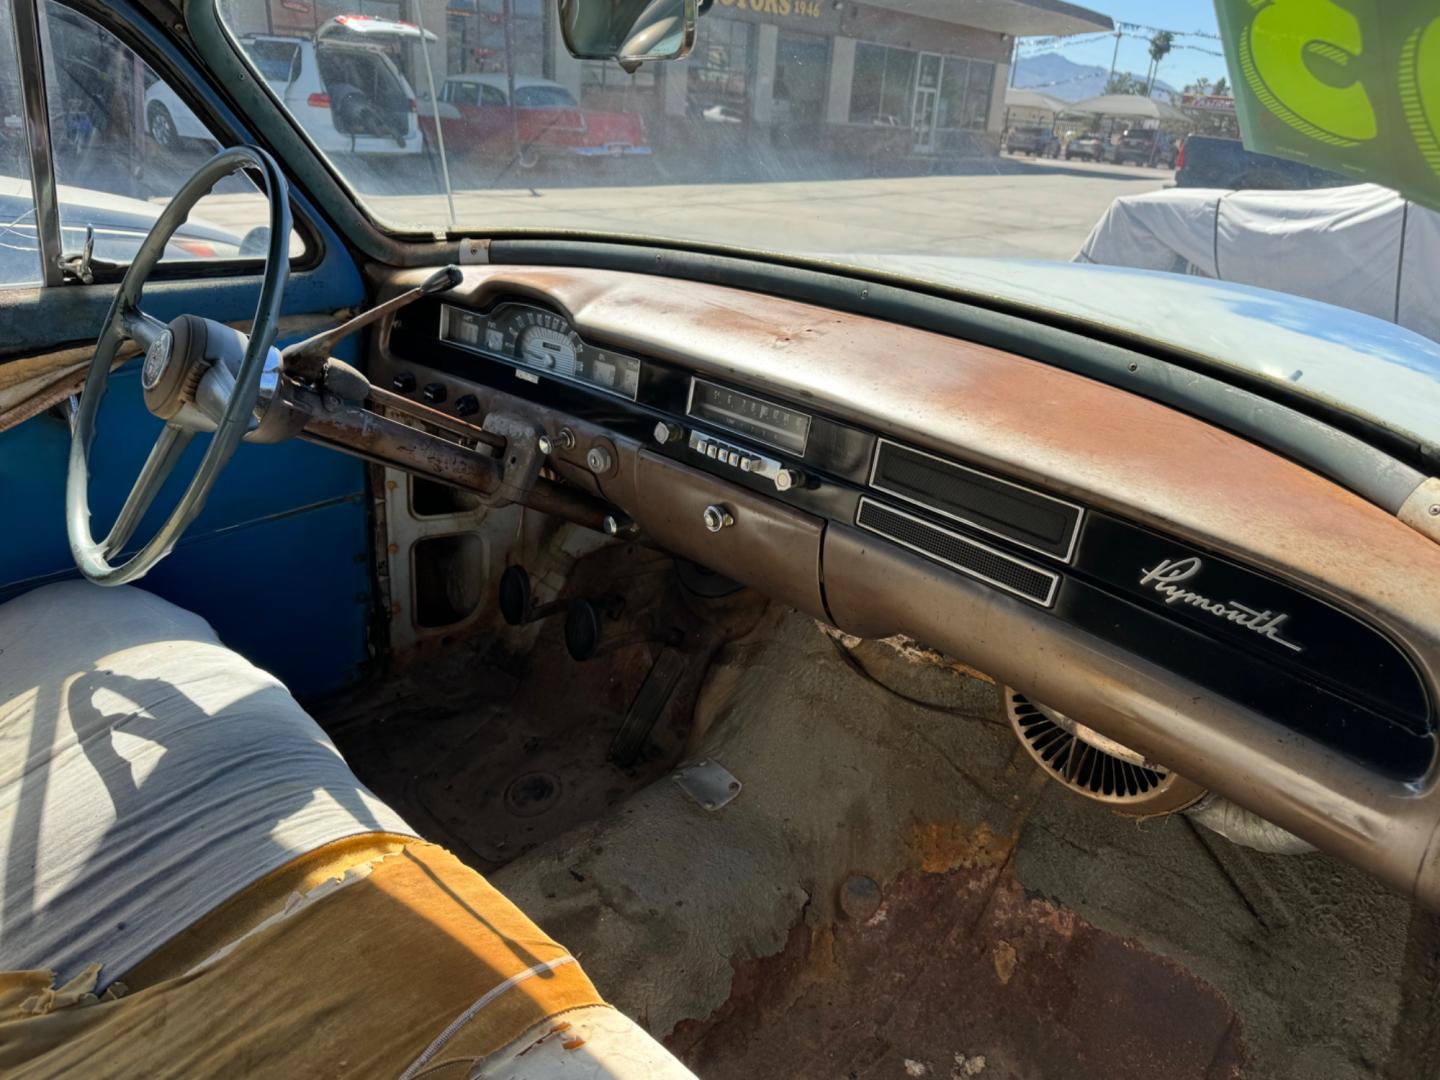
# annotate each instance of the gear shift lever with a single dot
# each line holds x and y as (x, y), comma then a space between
(306, 359)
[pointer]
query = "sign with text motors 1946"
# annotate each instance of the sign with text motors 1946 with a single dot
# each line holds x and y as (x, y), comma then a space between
(1352, 86)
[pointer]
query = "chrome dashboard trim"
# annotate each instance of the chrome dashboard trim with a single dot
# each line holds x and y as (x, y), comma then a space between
(882, 442)
(1053, 577)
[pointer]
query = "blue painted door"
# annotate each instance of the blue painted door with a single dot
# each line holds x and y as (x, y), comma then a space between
(279, 561)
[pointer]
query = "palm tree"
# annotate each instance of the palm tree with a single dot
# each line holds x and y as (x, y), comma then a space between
(1200, 86)
(1160, 46)
(1221, 87)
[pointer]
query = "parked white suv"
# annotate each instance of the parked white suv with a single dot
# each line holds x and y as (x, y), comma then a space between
(342, 86)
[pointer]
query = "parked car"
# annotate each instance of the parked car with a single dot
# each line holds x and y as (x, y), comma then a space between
(1088, 147)
(341, 86)
(1036, 141)
(1134, 150)
(1209, 161)
(170, 121)
(475, 117)
(119, 224)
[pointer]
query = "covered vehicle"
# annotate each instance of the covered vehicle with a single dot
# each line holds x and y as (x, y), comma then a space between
(546, 121)
(1361, 247)
(118, 224)
(342, 86)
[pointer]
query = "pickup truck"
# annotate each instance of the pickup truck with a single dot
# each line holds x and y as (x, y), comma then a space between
(1209, 161)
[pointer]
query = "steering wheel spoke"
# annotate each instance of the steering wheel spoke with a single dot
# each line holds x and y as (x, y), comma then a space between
(156, 470)
(140, 328)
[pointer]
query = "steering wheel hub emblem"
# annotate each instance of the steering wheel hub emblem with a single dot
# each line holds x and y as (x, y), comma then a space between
(157, 359)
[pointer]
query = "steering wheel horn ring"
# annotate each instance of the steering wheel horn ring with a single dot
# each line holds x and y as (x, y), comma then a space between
(178, 357)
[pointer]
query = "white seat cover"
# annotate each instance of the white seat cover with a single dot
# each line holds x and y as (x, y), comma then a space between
(147, 774)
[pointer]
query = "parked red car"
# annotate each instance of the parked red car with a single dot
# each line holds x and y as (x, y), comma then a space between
(475, 116)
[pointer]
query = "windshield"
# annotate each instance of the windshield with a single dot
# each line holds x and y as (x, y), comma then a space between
(871, 133)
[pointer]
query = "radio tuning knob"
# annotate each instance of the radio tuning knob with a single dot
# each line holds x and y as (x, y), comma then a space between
(666, 432)
(788, 479)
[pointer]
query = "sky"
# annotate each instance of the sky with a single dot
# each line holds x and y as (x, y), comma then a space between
(1179, 68)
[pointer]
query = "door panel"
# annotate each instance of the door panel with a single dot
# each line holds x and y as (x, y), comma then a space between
(278, 562)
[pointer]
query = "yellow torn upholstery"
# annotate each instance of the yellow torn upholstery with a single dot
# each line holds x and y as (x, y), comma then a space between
(362, 981)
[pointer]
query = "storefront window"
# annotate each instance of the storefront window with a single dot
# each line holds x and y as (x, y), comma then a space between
(802, 69)
(965, 93)
(883, 89)
(720, 64)
(475, 37)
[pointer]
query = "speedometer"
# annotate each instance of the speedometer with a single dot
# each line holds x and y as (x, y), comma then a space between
(541, 341)
(547, 349)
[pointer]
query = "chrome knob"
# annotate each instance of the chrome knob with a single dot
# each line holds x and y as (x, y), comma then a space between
(545, 445)
(620, 526)
(666, 432)
(717, 518)
(786, 479)
(599, 459)
(565, 439)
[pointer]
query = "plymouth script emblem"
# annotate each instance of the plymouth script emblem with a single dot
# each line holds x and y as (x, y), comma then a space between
(1166, 578)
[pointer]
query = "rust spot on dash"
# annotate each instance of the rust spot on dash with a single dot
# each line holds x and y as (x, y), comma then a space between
(573, 1044)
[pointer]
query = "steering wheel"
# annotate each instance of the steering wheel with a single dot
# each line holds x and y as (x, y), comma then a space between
(198, 375)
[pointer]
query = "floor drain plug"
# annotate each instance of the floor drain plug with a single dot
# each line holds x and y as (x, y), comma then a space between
(532, 794)
(707, 782)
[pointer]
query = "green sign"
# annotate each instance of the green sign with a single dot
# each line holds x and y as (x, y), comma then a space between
(1349, 85)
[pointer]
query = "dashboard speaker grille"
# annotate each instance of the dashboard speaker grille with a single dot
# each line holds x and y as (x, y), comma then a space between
(961, 553)
(1029, 518)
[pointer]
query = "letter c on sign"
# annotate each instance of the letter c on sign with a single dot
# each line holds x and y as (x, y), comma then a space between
(1274, 52)
(1419, 76)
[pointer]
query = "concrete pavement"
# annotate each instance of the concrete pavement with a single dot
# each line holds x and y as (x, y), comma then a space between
(1016, 208)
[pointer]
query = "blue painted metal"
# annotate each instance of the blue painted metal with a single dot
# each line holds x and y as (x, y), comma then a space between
(279, 560)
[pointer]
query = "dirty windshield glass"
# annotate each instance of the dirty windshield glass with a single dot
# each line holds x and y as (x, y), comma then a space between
(909, 135)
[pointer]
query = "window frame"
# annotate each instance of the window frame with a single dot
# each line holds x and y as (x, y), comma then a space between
(31, 61)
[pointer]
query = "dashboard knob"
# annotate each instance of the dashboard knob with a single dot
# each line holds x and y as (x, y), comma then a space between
(787, 479)
(434, 392)
(717, 518)
(666, 432)
(620, 526)
(599, 459)
(467, 405)
(403, 383)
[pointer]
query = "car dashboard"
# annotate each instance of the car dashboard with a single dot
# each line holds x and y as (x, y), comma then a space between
(1184, 591)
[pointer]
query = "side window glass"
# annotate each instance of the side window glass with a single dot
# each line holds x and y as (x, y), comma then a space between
(19, 249)
(492, 97)
(124, 142)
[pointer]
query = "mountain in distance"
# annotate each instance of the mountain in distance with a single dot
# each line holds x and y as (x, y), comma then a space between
(1054, 74)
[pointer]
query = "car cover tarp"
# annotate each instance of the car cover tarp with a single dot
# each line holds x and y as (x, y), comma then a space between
(1361, 247)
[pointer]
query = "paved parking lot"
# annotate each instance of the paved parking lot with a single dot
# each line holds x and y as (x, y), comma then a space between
(1012, 207)
(1030, 210)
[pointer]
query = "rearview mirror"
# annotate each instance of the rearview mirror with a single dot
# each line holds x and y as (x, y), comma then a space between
(630, 31)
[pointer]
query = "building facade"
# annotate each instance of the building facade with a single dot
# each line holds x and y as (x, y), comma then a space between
(839, 74)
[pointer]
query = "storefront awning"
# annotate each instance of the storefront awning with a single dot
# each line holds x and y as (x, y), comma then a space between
(1015, 17)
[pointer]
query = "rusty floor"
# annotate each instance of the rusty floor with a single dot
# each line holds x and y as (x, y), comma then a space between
(896, 892)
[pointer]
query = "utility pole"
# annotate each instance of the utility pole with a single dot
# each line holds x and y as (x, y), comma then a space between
(1115, 56)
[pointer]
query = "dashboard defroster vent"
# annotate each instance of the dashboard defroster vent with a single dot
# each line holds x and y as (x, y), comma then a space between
(959, 552)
